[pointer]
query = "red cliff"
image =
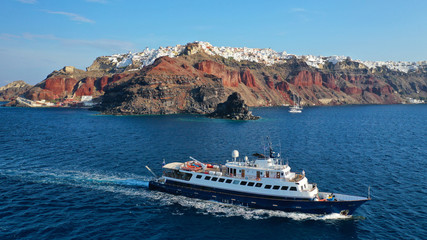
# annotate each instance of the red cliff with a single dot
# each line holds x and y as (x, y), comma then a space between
(229, 78)
(248, 79)
(307, 79)
(87, 88)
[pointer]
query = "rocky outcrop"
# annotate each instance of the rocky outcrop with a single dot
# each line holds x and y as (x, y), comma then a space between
(234, 108)
(13, 90)
(168, 86)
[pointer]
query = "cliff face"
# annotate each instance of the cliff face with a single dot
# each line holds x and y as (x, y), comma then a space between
(196, 77)
(166, 87)
(73, 83)
(13, 90)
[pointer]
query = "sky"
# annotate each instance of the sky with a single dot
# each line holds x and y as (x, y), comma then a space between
(40, 36)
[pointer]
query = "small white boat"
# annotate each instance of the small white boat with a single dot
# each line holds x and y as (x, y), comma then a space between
(296, 108)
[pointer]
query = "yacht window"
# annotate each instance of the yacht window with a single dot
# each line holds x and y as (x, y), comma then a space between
(267, 186)
(293, 189)
(221, 180)
(207, 178)
(258, 185)
(177, 174)
(228, 181)
(236, 182)
(214, 178)
(251, 184)
(243, 183)
(284, 188)
(276, 187)
(199, 176)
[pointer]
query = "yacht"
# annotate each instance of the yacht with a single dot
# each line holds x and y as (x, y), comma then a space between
(265, 182)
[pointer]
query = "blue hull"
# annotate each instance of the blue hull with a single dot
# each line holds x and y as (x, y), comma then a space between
(256, 200)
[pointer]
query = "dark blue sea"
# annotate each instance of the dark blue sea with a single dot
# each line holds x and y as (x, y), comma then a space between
(74, 174)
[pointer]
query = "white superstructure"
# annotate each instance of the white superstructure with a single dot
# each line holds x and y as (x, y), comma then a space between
(266, 176)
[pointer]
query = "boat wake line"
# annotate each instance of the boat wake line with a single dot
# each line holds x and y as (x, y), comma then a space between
(76, 178)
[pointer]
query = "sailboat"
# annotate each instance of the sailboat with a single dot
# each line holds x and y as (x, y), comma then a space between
(296, 108)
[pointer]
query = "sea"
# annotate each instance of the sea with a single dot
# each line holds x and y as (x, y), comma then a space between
(76, 174)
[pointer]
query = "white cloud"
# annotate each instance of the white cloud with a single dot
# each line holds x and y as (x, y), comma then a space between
(30, 36)
(302, 14)
(105, 44)
(7, 36)
(97, 1)
(72, 16)
(114, 45)
(28, 1)
(298, 10)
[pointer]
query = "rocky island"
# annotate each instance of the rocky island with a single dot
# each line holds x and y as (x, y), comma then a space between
(234, 108)
(197, 77)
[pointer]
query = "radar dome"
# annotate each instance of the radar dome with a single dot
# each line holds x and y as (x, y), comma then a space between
(235, 154)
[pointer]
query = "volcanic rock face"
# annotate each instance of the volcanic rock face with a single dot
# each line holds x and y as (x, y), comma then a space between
(196, 77)
(13, 90)
(234, 108)
(168, 86)
(230, 78)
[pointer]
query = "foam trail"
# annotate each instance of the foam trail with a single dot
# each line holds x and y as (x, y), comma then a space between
(218, 209)
(133, 183)
(76, 178)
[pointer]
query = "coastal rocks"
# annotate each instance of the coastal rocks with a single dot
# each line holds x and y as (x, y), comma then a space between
(169, 86)
(234, 108)
(196, 77)
(205, 99)
(13, 90)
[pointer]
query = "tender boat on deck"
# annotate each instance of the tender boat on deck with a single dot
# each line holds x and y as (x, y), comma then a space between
(265, 182)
